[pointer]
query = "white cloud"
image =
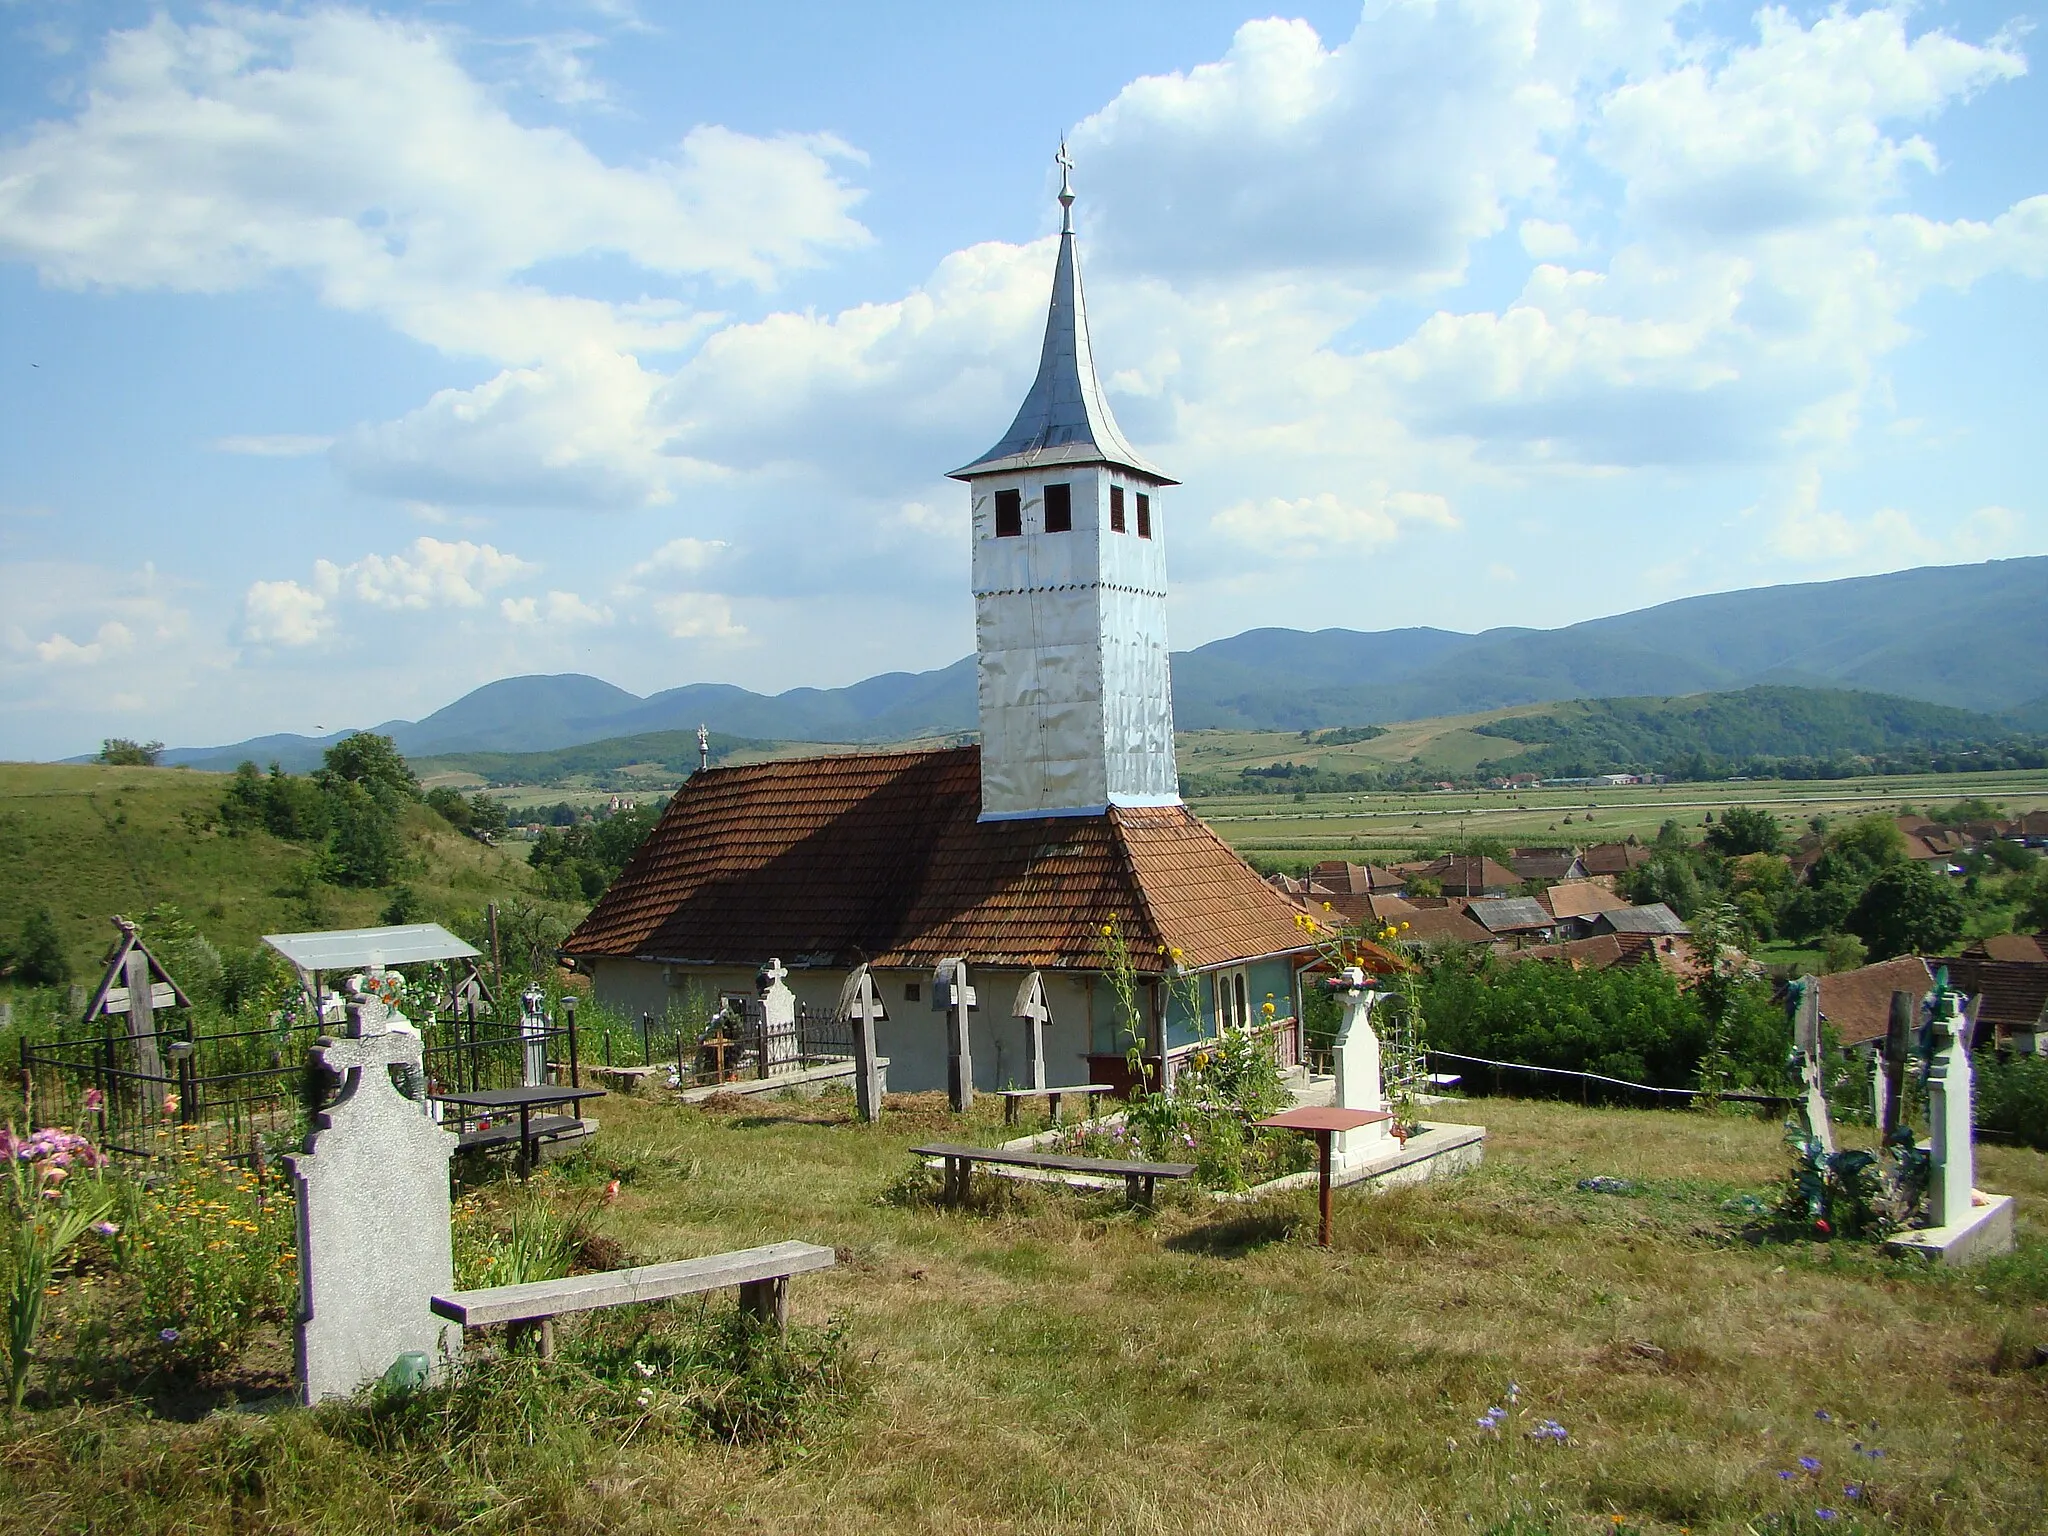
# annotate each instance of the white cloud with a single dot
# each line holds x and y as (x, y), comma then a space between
(110, 640)
(273, 445)
(429, 574)
(283, 613)
(678, 557)
(1804, 532)
(1305, 527)
(1382, 159)
(1547, 241)
(557, 610)
(354, 150)
(697, 616)
(1791, 130)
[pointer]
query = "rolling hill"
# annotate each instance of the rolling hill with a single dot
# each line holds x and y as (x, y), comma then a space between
(1969, 637)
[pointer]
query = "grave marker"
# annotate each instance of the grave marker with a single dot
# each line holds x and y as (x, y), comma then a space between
(1806, 1040)
(952, 996)
(779, 1045)
(1036, 1012)
(860, 1003)
(1357, 1064)
(134, 987)
(374, 1237)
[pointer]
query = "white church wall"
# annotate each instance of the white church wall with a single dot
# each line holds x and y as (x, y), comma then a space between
(913, 1037)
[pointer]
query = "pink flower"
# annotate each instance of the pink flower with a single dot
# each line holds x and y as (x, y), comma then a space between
(94, 1099)
(170, 1103)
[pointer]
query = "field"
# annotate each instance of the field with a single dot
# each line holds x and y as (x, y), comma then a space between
(91, 842)
(1283, 830)
(1048, 1361)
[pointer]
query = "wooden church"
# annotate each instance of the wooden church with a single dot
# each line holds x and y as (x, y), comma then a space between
(1013, 855)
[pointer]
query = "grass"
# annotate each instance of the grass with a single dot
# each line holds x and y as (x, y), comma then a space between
(1047, 1361)
(96, 841)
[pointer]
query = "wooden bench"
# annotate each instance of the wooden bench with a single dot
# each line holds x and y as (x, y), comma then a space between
(505, 1133)
(762, 1274)
(1138, 1177)
(1010, 1096)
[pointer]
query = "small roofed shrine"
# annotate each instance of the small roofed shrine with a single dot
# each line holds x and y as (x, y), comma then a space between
(1055, 843)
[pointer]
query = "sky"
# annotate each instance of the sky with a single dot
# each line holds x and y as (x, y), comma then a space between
(351, 358)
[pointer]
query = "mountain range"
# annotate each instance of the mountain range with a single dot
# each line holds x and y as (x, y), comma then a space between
(1969, 636)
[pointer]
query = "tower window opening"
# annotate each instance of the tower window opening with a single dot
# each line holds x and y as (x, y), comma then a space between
(1059, 508)
(1009, 514)
(1144, 516)
(1116, 509)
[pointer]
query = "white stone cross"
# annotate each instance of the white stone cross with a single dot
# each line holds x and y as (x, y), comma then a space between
(1357, 1064)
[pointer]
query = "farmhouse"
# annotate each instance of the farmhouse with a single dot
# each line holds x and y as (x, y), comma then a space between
(1015, 855)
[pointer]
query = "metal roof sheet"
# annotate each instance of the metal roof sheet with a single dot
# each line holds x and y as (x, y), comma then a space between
(348, 949)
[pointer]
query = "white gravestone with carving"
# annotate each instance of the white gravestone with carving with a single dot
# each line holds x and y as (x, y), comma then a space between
(533, 1035)
(778, 1017)
(1357, 1066)
(1949, 1083)
(374, 1235)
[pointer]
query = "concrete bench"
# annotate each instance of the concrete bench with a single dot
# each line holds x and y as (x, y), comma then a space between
(1090, 1091)
(1138, 1177)
(762, 1274)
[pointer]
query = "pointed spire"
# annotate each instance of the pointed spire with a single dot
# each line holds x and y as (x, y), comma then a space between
(1064, 418)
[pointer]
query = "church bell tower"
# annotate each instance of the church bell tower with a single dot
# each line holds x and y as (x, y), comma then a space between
(1070, 589)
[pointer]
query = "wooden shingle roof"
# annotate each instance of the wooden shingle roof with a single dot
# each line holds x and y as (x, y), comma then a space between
(833, 861)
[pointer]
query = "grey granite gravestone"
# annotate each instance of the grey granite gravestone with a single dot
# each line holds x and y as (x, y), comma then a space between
(374, 1235)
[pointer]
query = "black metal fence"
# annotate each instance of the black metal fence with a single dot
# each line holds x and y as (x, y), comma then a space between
(736, 1044)
(218, 1091)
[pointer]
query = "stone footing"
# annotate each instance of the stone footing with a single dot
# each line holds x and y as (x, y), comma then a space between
(1435, 1152)
(1986, 1231)
(810, 1080)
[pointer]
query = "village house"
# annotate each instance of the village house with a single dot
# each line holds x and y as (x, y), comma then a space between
(1014, 855)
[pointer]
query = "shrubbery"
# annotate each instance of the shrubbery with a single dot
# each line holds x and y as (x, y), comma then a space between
(350, 807)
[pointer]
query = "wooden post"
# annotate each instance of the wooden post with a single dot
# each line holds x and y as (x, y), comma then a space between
(497, 962)
(1806, 1037)
(951, 993)
(1323, 1145)
(1032, 1008)
(569, 1013)
(1898, 1045)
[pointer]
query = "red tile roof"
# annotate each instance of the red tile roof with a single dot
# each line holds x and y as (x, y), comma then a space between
(2010, 994)
(2009, 946)
(1582, 898)
(1859, 1003)
(830, 861)
(1614, 858)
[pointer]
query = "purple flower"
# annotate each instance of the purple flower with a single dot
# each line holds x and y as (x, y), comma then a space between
(1823, 1415)
(1852, 1490)
(1786, 1477)
(168, 1335)
(1549, 1429)
(1874, 1454)
(1823, 1514)
(106, 1229)
(1811, 1463)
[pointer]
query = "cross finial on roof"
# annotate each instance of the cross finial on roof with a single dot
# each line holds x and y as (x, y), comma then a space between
(1065, 162)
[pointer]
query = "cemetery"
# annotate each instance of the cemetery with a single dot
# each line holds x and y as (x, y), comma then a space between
(965, 1138)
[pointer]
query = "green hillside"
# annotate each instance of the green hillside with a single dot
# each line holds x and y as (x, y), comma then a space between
(620, 762)
(90, 842)
(1794, 731)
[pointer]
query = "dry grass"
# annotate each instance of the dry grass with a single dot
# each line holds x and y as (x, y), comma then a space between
(1047, 1361)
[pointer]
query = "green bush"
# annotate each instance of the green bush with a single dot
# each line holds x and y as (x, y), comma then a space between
(2012, 1098)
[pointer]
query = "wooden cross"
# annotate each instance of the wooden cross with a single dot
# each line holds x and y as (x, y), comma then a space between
(1806, 1037)
(1033, 1009)
(135, 986)
(951, 993)
(860, 1002)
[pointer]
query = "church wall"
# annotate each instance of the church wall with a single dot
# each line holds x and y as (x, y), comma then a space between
(913, 1037)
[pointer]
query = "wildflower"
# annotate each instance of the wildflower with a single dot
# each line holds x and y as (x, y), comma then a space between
(611, 1193)
(106, 1229)
(170, 1103)
(1810, 1463)
(94, 1099)
(1514, 1391)
(168, 1335)
(1852, 1490)
(1823, 1514)
(643, 1367)
(1823, 1415)
(1821, 1226)
(1786, 1477)
(1549, 1429)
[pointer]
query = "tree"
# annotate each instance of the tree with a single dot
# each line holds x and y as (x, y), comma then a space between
(1841, 952)
(1859, 848)
(488, 815)
(1745, 829)
(365, 847)
(370, 760)
(120, 752)
(39, 959)
(1907, 909)
(451, 807)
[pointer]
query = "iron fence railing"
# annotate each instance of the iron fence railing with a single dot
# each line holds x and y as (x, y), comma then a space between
(220, 1090)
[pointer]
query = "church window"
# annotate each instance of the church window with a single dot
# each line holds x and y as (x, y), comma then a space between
(1059, 509)
(1116, 509)
(1009, 514)
(1144, 516)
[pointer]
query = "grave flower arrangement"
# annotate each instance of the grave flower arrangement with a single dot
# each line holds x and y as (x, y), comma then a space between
(53, 1196)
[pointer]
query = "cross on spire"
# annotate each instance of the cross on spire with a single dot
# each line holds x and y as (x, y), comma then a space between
(1065, 162)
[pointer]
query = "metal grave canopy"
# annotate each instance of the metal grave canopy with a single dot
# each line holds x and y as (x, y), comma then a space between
(339, 949)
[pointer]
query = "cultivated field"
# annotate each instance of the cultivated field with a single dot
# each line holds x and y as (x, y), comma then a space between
(1283, 830)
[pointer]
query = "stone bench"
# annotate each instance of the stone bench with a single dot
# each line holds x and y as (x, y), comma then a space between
(1138, 1177)
(762, 1275)
(1090, 1091)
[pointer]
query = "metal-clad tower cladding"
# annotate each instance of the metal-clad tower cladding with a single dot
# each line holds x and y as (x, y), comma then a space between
(1070, 589)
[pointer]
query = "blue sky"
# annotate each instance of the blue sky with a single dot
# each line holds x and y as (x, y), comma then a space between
(350, 358)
